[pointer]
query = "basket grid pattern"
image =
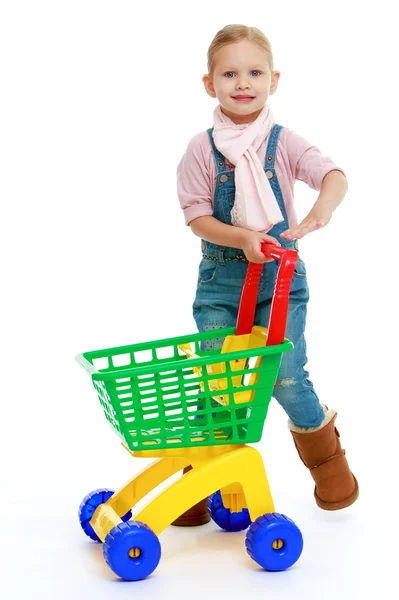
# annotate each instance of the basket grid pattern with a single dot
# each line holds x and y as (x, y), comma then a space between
(163, 401)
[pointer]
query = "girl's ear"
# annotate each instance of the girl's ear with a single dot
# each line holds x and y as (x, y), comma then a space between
(207, 81)
(274, 82)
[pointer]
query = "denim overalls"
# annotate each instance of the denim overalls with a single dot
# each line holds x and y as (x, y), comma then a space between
(221, 276)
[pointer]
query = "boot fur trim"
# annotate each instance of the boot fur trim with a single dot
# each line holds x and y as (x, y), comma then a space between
(329, 415)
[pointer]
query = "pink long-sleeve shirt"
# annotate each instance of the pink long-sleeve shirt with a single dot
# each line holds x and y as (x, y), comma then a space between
(296, 159)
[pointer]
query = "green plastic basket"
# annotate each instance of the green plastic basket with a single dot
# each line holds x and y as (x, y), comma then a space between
(153, 399)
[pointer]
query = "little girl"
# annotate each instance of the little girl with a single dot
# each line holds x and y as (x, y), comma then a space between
(235, 185)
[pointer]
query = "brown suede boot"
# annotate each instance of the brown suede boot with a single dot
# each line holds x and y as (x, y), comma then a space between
(196, 515)
(320, 451)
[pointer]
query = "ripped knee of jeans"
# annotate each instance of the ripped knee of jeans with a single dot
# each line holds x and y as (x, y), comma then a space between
(288, 382)
(215, 343)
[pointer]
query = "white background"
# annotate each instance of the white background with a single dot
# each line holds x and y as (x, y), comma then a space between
(99, 100)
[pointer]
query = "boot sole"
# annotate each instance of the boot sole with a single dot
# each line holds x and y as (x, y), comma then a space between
(192, 521)
(338, 505)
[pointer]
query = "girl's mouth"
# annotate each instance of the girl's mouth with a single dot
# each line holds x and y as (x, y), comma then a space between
(243, 98)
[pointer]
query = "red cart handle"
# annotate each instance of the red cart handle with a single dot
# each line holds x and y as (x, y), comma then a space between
(279, 308)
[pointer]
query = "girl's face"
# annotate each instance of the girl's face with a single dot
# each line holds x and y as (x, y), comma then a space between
(241, 69)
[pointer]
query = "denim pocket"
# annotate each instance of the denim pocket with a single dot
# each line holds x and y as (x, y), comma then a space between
(207, 270)
(300, 269)
(227, 205)
(231, 199)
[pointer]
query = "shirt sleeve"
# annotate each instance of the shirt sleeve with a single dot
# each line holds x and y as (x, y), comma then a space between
(193, 182)
(307, 162)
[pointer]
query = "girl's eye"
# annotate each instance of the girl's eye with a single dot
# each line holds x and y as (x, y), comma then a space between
(232, 73)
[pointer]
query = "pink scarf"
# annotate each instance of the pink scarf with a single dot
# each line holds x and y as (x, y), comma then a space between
(255, 205)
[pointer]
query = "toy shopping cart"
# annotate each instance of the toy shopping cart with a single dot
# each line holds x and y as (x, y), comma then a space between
(172, 400)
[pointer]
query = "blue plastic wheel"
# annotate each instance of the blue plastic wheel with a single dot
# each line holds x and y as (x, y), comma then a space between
(89, 505)
(132, 550)
(229, 521)
(274, 542)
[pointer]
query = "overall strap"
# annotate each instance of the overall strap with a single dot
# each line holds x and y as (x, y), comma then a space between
(270, 156)
(270, 172)
(219, 158)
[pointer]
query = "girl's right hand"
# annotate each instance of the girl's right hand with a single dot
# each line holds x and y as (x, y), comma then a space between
(251, 244)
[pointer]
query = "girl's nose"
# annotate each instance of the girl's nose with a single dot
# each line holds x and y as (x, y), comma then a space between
(243, 84)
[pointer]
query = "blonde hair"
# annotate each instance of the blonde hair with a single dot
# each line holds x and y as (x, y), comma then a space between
(235, 33)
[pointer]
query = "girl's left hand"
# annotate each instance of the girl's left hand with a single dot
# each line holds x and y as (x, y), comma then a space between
(315, 220)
